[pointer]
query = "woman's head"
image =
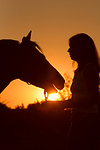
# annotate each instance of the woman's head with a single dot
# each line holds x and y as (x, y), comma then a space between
(82, 49)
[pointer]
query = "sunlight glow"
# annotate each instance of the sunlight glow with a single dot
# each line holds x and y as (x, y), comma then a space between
(53, 97)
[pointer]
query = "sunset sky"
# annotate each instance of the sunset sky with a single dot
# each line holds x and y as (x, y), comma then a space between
(52, 23)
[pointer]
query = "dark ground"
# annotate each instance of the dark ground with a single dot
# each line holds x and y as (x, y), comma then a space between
(31, 129)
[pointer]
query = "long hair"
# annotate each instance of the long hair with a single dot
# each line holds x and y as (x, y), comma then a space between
(86, 48)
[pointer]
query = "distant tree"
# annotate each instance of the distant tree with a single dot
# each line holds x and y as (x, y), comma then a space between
(20, 107)
(65, 93)
(17, 107)
(3, 104)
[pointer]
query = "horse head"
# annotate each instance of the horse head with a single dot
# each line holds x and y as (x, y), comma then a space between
(35, 69)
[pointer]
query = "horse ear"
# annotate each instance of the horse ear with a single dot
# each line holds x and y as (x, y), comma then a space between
(27, 38)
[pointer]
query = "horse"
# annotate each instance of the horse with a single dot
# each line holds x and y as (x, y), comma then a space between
(25, 61)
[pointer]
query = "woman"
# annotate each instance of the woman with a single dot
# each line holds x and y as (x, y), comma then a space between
(84, 127)
(83, 133)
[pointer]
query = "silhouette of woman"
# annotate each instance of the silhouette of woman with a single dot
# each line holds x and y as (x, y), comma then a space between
(83, 133)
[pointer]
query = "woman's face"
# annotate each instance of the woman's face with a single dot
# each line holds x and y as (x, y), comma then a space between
(73, 51)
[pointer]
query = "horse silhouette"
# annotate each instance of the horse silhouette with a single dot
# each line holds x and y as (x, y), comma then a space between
(26, 61)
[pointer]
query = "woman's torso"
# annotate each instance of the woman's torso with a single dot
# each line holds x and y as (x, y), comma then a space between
(80, 90)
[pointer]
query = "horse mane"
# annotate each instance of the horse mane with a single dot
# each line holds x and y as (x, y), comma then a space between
(9, 47)
(34, 44)
(37, 47)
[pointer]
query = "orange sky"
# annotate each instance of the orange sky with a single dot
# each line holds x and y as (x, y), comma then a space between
(52, 23)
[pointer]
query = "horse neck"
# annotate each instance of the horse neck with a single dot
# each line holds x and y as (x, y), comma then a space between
(7, 75)
(8, 61)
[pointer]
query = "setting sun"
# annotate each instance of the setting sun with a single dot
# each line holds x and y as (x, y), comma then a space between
(53, 96)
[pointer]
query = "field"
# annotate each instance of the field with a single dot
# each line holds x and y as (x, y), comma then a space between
(31, 129)
(28, 129)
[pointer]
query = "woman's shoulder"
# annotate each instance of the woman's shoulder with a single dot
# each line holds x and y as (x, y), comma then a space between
(89, 67)
(90, 64)
(90, 71)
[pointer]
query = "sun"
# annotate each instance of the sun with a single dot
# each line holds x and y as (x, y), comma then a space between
(53, 97)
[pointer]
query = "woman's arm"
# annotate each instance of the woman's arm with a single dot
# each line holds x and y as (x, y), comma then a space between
(91, 75)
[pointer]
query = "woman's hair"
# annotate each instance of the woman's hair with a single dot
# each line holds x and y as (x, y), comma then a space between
(85, 47)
